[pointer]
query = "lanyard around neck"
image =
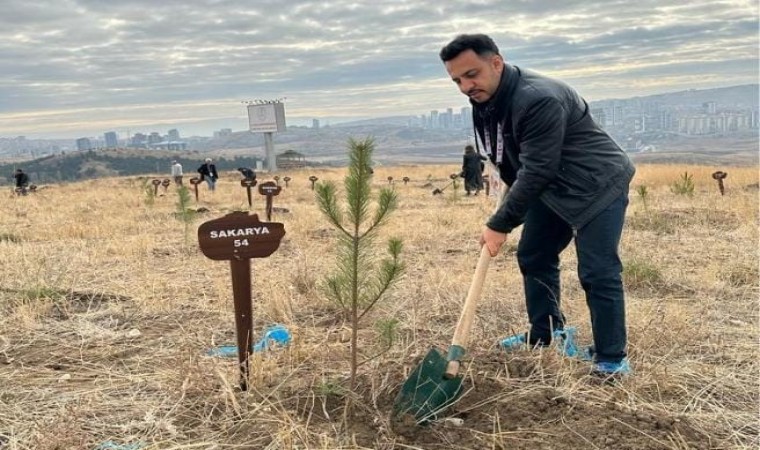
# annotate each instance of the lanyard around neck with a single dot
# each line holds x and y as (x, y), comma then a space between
(498, 152)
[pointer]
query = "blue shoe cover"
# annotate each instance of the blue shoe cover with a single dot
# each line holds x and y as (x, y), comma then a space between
(612, 368)
(564, 340)
(513, 342)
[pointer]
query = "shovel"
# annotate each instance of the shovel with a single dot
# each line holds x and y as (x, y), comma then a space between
(437, 191)
(453, 177)
(435, 383)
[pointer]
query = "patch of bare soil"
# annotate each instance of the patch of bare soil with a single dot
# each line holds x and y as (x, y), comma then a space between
(505, 405)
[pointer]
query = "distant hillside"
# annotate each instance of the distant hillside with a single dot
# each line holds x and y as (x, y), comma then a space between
(396, 141)
(742, 96)
(95, 164)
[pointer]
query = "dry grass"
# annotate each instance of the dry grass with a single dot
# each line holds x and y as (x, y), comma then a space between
(105, 315)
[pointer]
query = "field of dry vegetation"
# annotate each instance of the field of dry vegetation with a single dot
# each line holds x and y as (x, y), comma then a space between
(107, 309)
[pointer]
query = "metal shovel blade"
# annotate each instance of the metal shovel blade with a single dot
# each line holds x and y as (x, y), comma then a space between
(426, 392)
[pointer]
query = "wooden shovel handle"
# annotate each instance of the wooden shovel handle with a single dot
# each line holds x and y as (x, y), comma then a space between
(462, 332)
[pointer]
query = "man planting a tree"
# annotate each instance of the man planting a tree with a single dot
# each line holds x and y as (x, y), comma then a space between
(568, 180)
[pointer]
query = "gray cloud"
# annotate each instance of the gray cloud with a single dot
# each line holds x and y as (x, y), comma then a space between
(87, 65)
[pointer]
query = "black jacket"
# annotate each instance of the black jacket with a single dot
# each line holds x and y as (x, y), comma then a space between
(554, 152)
(472, 171)
(208, 170)
(22, 179)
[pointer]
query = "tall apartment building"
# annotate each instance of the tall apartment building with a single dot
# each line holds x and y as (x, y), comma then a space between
(154, 138)
(84, 144)
(111, 140)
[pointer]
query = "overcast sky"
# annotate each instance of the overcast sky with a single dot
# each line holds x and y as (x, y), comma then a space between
(82, 67)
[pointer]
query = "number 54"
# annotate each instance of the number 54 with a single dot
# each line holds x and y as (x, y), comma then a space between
(240, 243)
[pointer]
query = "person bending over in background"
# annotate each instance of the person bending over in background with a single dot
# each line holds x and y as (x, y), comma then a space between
(22, 181)
(472, 170)
(247, 173)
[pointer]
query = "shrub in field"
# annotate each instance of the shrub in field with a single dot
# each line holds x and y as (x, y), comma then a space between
(643, 193)
(149, 191)
(684, 185)
(9, 237)
(640, 273)
(184, 213)
(358, 282)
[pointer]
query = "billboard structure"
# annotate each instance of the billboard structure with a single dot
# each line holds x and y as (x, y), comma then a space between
(267, 116)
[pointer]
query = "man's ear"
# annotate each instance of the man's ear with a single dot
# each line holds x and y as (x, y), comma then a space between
(497, 62)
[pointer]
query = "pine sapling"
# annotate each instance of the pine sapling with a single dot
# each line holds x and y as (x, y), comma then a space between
(359, 282)
(184, 213)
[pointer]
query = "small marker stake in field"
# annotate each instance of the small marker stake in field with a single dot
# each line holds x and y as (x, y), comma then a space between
(195, 181)
(276, 180)
(248, 183)
(390, 180)
(313, 180)
(406, 180)
(270, 189)
(487, 184)
(238, 237)
(286, 180)
(719, 176)
(156, 183)
(166, 184)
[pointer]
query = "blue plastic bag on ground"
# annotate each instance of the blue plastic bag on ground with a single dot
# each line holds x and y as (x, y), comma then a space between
(274, 336)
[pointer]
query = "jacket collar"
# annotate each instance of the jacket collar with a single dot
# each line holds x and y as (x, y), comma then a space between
(501, 101)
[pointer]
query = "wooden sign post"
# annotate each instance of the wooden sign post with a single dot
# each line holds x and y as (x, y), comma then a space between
(487, 184)
(248, 183)
(238, 237)
(313, 180)
(286, 180)
(195, 181)
(390, 180)
(269, 189)
(166, 184)
(406, 180)
(156, 183)
(276, 180)
(719, 176)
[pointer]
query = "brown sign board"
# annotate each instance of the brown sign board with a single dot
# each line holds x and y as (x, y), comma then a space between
(247, 182)
(195, 180)
(269, 188)
(239, 236)
(156, 182)
(166, 183)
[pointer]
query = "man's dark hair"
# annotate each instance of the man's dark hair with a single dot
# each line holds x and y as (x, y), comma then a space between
(481, 44)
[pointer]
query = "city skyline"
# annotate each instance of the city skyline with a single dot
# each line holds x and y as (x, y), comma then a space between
(85, 67)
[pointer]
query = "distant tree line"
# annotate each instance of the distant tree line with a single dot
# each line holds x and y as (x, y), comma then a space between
(91, 164)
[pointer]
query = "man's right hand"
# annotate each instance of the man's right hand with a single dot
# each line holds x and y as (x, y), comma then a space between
(493, 240)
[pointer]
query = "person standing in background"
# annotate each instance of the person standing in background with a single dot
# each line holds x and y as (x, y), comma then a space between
(177, 172)
(208, 173)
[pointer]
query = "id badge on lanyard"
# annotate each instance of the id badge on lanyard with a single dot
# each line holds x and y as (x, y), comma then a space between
(499, 150)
